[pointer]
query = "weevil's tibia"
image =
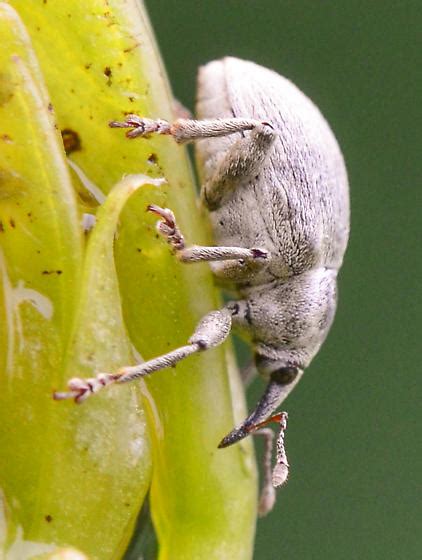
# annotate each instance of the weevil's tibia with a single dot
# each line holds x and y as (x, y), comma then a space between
(168, 228)
(212, 330)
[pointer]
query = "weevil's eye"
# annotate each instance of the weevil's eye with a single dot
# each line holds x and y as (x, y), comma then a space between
(284, 375)
(271, 370)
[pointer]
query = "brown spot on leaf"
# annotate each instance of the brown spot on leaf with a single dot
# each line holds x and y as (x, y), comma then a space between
(48, 518)
(153, 159)
(48, 272)
(71, 141)
(6, 88)
(132, 48)
(108, 73)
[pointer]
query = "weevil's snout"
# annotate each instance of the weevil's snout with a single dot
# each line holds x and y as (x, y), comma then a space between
(235, 435)
(281, 382)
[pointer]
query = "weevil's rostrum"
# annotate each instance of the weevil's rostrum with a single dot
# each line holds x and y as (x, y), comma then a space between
(275, 184)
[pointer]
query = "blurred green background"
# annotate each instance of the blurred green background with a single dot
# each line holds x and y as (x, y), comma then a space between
(353, 439)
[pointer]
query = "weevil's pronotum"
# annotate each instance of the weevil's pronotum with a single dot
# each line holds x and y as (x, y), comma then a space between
(275, 185)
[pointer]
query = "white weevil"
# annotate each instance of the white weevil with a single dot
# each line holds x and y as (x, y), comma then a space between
(275, 186)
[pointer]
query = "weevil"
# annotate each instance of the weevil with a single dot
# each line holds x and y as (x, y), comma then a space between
(275, 185)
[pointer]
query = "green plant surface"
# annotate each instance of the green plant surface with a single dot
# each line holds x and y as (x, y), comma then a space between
(99, 62)
(60, 465)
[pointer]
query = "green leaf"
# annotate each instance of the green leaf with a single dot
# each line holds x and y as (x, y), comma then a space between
(62, 468)
(100, 61)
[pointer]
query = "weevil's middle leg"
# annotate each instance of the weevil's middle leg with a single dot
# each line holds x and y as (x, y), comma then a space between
(168, 228)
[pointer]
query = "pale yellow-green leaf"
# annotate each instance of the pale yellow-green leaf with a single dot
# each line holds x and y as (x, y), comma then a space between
(63, 469)
(100, 62)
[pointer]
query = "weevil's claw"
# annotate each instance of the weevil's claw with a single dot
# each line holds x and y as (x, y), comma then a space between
(164, 213)
(260, 253)
(81, 389)
(167, 226)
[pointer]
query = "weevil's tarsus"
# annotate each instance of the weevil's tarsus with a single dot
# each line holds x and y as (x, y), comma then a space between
(142, 126)
(281, 469)
(81, 389)
(168, 228)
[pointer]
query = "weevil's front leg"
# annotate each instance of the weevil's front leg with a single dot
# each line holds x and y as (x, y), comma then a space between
(211, 331)
(167, 227)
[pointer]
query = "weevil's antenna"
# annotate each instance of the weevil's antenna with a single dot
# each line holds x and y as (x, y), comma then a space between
(273, 478)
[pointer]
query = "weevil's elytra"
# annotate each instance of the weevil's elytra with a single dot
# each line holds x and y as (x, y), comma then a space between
(275, 185)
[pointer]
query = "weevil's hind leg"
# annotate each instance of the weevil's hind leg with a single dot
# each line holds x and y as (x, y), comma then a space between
(267, 496)
(242, 161)
(273, 478)
(212, 330)
(168, 228)
(185, 130)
